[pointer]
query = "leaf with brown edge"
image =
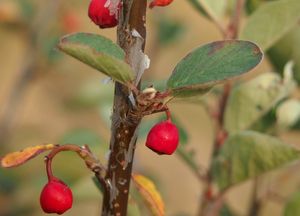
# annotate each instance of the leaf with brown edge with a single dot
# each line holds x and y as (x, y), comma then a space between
(151, 196)
(211, 64)
(20, 157)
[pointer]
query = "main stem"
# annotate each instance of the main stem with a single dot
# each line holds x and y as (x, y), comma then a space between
(124, 124)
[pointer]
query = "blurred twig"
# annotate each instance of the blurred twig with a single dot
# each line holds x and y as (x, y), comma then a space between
(212, 204)
(10, 111)
(35, 31)
(255, 202)
(234, 25)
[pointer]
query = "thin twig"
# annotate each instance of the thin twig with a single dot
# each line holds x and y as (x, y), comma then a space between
(234, 25)
(35, 31)
(10, 111)
(230, 33)
(255, 202)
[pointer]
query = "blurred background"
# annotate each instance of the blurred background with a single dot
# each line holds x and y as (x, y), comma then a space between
(48, 97)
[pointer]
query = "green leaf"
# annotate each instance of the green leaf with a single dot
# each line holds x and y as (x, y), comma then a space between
(292, 207)
(266, 123)
(252, 5)
(286, 49)
(211, 64)
(248, 154)
(271, 21)
(99, 53)
(250, 101)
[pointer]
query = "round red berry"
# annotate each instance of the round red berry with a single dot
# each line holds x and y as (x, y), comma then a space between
(56, 197)
(102, 15)
(163, 138)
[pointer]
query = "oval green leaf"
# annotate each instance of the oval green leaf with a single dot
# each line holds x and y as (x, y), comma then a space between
(250, 101)
(99, 53)
(248, 154)
(271, 21)
(211, 64)
(287, 49)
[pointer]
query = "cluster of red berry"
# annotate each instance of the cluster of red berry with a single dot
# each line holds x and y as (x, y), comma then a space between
(163, 138)
(105, 15)
(56, 196)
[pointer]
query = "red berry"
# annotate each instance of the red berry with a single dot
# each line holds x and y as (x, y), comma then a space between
(160, 3)
(56, 197)
(163, 138)
(104, 13)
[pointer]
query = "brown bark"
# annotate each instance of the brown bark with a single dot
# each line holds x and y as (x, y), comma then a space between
(124, 122)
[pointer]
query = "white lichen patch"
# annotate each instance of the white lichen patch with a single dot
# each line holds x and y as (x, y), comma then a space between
(113, 7)
(141, 61)
(135, 33)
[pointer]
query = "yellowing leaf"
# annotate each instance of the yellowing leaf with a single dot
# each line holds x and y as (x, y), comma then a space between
(150, 194)
(18, 158)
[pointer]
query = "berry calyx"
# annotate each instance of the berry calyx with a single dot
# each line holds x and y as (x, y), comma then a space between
(104, 13)
(160, 3)
(56, 197)
(163, 138)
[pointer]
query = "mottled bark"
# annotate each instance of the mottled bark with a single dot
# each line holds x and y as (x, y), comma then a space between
(124, 121)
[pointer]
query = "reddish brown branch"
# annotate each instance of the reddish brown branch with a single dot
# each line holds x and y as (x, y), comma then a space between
(211, 205)
(124, 124)
(234, 25)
